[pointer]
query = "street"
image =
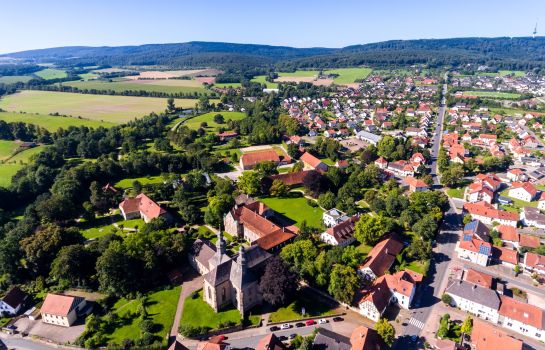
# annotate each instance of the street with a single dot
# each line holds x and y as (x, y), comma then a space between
(24, 344)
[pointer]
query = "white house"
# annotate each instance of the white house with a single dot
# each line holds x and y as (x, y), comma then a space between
(530, 216)
(486, 213)
(534, 263)
(13, 301)
(61, 310)
(334, 217)
(341, 234)
(541, 202)
(474, 250)
(479, 301)
(524, 191)
(526, 319)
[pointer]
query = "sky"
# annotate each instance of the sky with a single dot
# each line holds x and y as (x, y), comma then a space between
(34, 24)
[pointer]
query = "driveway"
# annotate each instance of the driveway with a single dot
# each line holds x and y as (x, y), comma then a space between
(192, 282)
(57, 334)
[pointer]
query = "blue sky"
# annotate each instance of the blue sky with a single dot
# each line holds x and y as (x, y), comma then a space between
(31, 24)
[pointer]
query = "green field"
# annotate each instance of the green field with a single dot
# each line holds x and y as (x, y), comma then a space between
(161, 308)
(314, 307)
(261, 80)
(15, 79)
(88, 76)
(492, 94)
(49, 122)
(144, 180)
(7, 148)
(198, 313)
(51, 73)
(114, 109)
(296, 209)
(227, 85)
(517, 73)
(299, 73)
(7, 170)
(195, 123)
(105, 225)
(349, 75)
(170, 86)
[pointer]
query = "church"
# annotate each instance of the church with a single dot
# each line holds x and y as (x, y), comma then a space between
(229, 280)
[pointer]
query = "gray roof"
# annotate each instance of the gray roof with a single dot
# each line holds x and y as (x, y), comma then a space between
(219, 274)
(368, 136)
(255, 256)
(533, 214)
(328, 340)
(203, 250)
(475, 293)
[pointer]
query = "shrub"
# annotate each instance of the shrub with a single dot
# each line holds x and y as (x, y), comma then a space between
(446, 298)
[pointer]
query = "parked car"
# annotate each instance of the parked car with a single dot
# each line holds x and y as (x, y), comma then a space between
(292, 336)
(274, 328)
(338, 319)
(322, 321)
(299, 324)
(285, 326)
(310, 322)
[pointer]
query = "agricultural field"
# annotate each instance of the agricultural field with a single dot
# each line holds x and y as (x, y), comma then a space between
(51, 123)
(261, 80)
(8, 169)
(7, 148)
(349, 75)
(51, 73)
(175, 74)
(168, 86)
(113, 109)
(15, 79)
(88, 76)
(195, 123)
(492, 94)
(299, 76)
(228, 85)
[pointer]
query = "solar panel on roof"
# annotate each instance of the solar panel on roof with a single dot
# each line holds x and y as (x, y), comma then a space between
(484, 250)
(468, 237)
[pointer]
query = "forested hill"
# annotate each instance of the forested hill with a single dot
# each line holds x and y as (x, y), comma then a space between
(507, 52)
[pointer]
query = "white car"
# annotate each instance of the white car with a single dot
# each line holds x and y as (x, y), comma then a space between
(322, 321)
(285, 326)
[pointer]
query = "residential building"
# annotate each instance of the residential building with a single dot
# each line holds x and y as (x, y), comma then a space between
(341, 234)
(531, 216)
(478, 301)
(249, 160)
(505, 256)
(313, 163)
(523, 191)
(515, 175)
(478, 230)
(485, 336)
(479, 278)
(488, 214)
(141, 207)
(12, 302)
(416, 185)
(61, 310)
(270, 342)
(214, 343)
(364, 338)
(474, 250)
(523, 318)
(333, 217)
(381, 258)
(533, 262)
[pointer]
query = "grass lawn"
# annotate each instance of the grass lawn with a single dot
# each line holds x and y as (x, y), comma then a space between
(492, 94)
(314, 307)
(170, 86)
(51, 73)
(103, 226)
(517, 73)
(15, 79)
(160, 306)
(518, 202)
(296, 209)
(7, 148)
(198, 313)
(195, 122)
(261, 80)
(328, 161)
(7, 170)
(49, 122)
(349, 75)
(456, 192)
(115, 109)
(416, 266)
(364, 248)
(88, 76)
(144, 180)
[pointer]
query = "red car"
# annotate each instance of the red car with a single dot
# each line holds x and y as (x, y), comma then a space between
(310, 322)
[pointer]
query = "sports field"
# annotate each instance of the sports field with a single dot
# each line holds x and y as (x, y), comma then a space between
(168, 86)
(349, 75)
(51, 123)
(114, 109)
(492, 94)
(51, 73)
(195, 123)
(15, 79)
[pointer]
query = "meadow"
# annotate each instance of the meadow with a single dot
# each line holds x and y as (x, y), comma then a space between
(7, 148)
(8, 169)
(296, 209)
(227, 85)
(51, 73)
(195, 123)
(170, 86)
(49, 122)
(492, 94)
(261, 80)
(114, 109)
(15, 79)
(349, 75)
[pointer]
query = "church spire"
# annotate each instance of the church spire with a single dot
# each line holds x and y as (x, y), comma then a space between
(243, 264)
(220, 245)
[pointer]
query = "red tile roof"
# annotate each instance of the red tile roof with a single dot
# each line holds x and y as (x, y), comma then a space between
(254, 158)
(311, 160)
(480, 278)
(487, 210)
(505, 255)
(487, 337)
(270, 342)
(291, 179)
(535, 261)
(508, 233)
(382, 256)
(60, 305)
(529, 241)
(274, 239)
(475, 245)
(364, 338)
(525, 313)
(526, 186)
(148, 207)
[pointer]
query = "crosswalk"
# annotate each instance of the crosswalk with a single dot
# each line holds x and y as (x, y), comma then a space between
(416, 323)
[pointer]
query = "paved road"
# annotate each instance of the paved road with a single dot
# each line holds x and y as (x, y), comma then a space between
(431, 290)
(24, 344)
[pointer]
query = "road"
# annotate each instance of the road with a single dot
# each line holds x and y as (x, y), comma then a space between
(24, 344)
(432, 288)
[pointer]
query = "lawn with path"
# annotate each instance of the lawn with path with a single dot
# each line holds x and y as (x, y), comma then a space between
(7, 148)
(144, 180)
(197, 313)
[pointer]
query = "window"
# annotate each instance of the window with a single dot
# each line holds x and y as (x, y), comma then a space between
(509, 324)
(209, 293)
(223, 294)
(538, 335)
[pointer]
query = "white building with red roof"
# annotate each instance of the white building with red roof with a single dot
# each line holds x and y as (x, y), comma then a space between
(534, 263)
(313, 163)
(141, 207)
(416, 185)
(61, 310)
(522, 318)
(523, 191)
(341, 234)
(486, 213)
(516, 175)
(474, 250)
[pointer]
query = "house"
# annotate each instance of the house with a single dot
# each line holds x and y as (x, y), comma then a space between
(368, 137)
(364, 338)
(61, 310)
(485, 336)
(290, 179)
(12, 302)
(529, 241)
(401, 168)
(416, 185)
(143, 207)
(333, 217)
(508, 234)
(234, 281)
(341, 234)
(270, 342)
(214, 343)
(530, 216)
(383, 163)
(524, 191)
(505, 256)
(250, 219)
(476, 229)
(481, 302)
(478, 192)
(522, 318)
(380, 258)
(474, 250)
(249, 160)
(534, 263)
(227, 135)
(488, 214)
(489, 180)
(313, 163)
(515, 175)
(329, 340)
(479, 278)
(541, 202)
